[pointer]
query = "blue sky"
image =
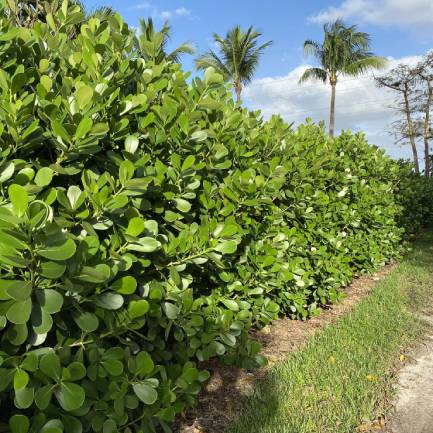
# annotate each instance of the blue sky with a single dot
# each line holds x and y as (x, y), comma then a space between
(401, 30)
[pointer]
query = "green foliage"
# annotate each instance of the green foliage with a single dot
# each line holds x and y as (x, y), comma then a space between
(147, 223)
(414, 193)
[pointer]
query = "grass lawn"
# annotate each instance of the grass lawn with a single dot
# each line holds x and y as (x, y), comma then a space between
(341, 377)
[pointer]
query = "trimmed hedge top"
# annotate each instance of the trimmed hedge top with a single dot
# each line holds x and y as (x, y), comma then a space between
(147, 223)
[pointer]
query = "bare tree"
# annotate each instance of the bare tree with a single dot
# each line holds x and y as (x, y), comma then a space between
(403, 80)
(424, 71)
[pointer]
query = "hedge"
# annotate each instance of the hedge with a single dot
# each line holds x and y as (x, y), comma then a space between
(147, 223)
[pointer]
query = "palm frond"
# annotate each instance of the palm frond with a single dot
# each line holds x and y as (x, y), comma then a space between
(185, 48)
(102, 13)
(211, 59)
(363, 65)
(314, 74)
(312, 48)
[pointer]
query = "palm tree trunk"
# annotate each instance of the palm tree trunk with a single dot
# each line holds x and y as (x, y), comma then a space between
(332, 110)
(238, 89)
(411, 131)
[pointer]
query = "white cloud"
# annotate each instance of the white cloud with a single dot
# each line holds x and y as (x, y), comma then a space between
(144, 5)
(360, 105)
(416, 15)
(182, 12)
(165, 15)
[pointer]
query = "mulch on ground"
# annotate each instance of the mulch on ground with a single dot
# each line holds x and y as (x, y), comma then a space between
(221, 400)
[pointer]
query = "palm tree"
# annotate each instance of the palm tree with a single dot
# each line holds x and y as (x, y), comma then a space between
(344, 51)
(238, 57)
(100, 12)
(152, 44)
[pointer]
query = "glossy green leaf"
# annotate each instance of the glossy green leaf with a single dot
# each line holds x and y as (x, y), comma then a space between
(110, 426)
(88, 322)
(145, 364)
(21, 379)
(19, 198)
(44, 176)
(126, 171)
(6, 171)
(58, 251)
(98, 274)
(84, 95)
(43, 65)
(43, 396)
(135, 226)
(145, 393)
(16, 289)
(171, 310)
(52, 270)
(30, 363)
(138, 308)
(46, 82)
(230, 304)
(50, 365)
(125, 285)
(75, 196)
(113, 366)
(70, 396)
(50, 300)
(17, 334)
(144, 245)
(24, 398)
(19, 312)
(182, 205)
(188, 163)
(227, 247)
(131, 143)
(83, 127)
(42, 321)
(198, 136)
(72, 424)
(74, 371)
(109, 301)
(19, 424)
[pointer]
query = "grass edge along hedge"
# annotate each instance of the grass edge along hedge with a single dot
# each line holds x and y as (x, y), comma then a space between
(345, 375)
(147, 223)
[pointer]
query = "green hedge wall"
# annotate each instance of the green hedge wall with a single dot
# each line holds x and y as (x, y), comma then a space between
(147, 223)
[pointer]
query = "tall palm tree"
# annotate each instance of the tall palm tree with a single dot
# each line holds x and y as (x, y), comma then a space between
(344, 51)
(152, 43)
(239, 55)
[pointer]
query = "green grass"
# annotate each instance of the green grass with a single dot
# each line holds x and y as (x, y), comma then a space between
(341, 377)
